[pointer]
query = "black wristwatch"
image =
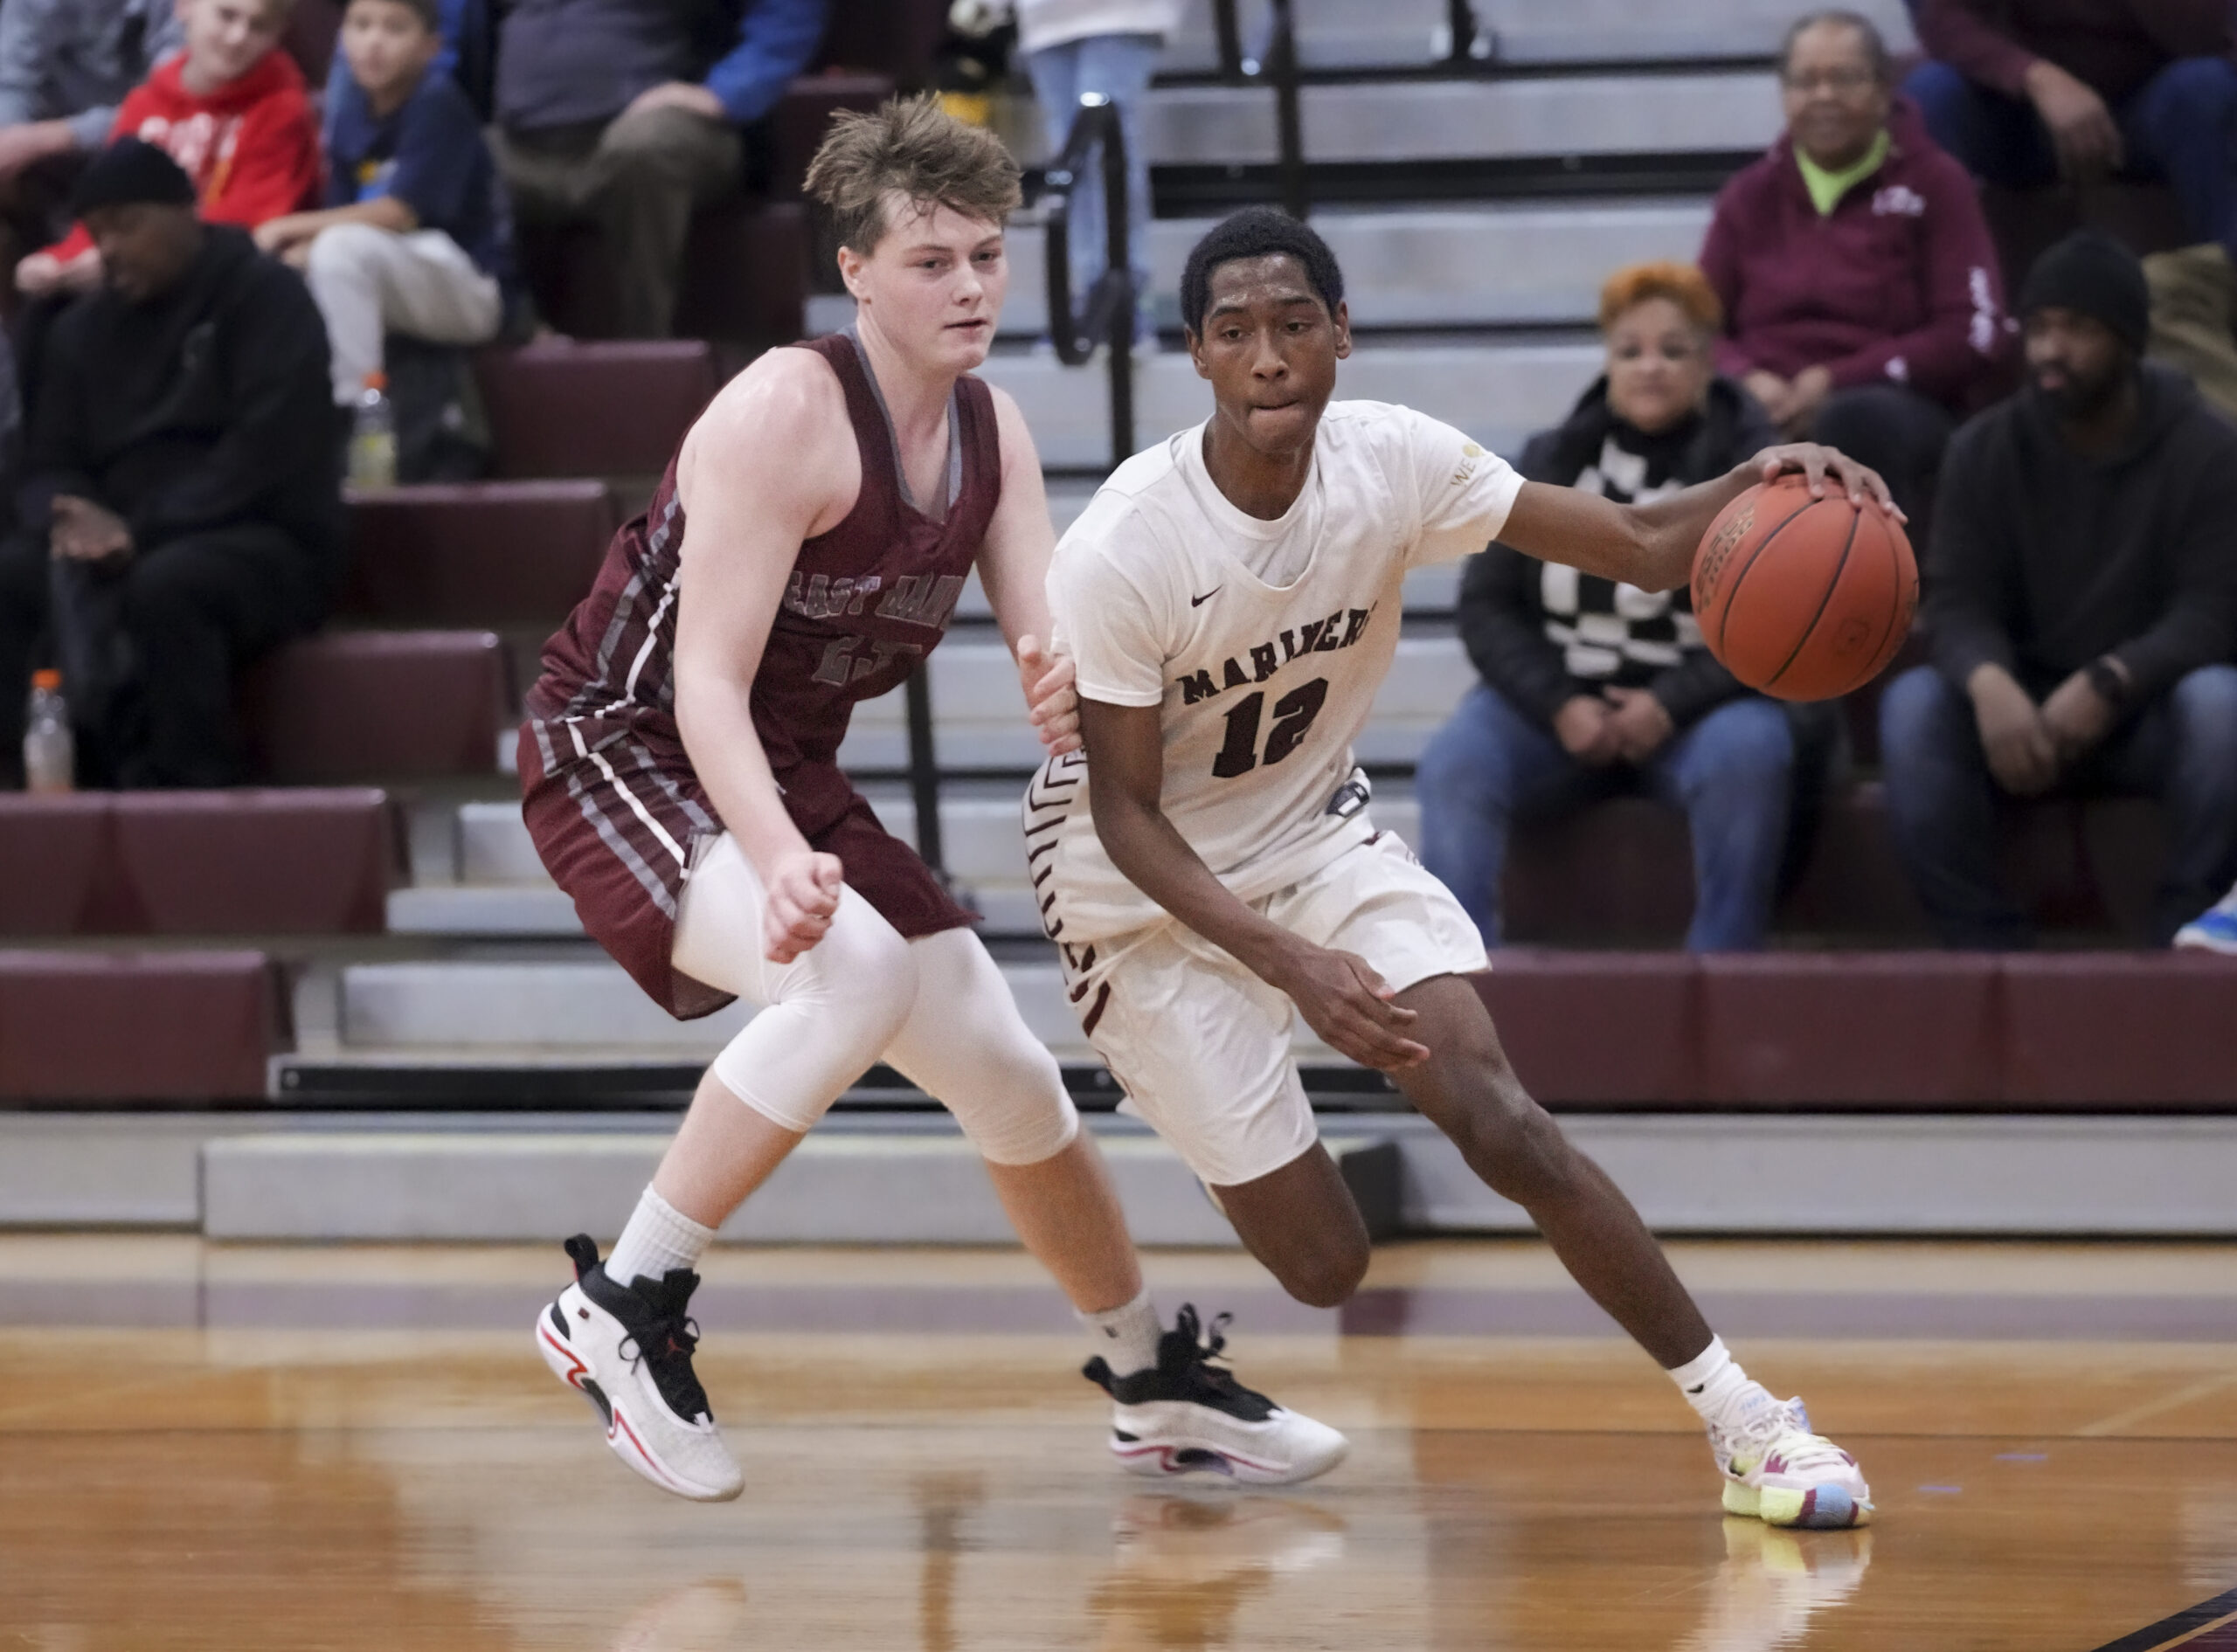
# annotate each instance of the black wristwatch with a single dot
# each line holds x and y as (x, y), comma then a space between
(2111, 686)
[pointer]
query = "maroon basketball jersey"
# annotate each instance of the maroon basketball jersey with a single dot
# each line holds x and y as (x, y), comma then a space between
(610, 796)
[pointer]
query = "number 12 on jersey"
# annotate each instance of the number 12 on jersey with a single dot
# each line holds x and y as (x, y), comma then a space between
(1293, 716)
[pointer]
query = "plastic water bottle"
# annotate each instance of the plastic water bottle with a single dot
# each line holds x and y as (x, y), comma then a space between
(49, 753)
(372, 437)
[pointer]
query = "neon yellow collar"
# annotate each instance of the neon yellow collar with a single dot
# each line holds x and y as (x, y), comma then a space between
(1827, 188)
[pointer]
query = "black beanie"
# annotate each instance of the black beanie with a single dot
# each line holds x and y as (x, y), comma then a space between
(2093, 274)
(128, 173)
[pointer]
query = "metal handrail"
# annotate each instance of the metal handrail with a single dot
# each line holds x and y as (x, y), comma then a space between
(1107, 317)
(1279, 70)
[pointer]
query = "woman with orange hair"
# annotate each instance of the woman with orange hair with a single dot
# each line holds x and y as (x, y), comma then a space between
(1591, 688)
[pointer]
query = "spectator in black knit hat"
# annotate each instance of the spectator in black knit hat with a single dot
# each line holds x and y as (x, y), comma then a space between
(2081, 602)
(180, 510)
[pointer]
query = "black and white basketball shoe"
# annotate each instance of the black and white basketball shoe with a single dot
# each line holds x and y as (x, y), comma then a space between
(1187, 1415)
(627, 1349)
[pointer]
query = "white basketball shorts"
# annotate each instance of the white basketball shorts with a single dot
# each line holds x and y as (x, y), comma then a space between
(1202, 1045)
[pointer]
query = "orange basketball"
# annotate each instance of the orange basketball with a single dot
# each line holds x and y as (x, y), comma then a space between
(1803, 598)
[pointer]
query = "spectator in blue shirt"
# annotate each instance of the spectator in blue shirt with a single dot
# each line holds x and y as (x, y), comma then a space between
(414, 239)
(466, 55)
(627, 115)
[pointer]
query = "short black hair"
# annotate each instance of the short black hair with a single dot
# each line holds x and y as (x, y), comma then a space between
(1256, 231)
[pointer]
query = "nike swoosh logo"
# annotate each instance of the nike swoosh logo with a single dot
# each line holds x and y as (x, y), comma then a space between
(1198, 602)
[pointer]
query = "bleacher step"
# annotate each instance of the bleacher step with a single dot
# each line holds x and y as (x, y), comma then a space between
(1338, 35)
(503, 1005)
(914, 1181)
(1719, 111)
(1498, 393)
(1534, 263)
(505, 890)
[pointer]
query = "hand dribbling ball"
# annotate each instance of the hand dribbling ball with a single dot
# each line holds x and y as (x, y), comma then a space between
(1804, 598)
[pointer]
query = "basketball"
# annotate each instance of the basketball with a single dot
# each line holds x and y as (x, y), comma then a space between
(1803, 599)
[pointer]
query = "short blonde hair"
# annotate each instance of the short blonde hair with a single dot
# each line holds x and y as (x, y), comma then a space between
(913, 148)
(1681, 284)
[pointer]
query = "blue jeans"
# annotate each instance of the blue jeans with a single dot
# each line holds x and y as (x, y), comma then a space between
(2180, 125)
(1118, 67)
(1732, 773)
(2181, 748)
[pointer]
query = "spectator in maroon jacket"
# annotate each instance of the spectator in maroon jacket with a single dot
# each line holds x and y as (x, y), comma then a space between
(1862, 299)
(2025, 92)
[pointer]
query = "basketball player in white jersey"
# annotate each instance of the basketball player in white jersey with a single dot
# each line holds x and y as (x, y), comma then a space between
(1231, 600)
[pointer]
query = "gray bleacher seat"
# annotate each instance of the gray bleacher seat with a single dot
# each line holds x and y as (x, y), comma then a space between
(1487, 265)
(1346, 34)
(1497, 392)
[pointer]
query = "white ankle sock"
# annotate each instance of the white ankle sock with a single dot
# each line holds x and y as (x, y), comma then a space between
(658, 1239)
(1127, 1336)
(1714, 1385)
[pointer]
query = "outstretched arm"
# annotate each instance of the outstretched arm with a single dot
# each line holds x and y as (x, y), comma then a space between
(1651, 546)
(1014, 567)
(749, 502)
(1339, 995)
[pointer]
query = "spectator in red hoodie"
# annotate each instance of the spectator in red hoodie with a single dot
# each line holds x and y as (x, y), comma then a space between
(1861, 299)
(233, 111)
(2025, 92)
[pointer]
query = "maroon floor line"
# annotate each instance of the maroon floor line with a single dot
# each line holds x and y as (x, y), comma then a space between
(2207, 1616)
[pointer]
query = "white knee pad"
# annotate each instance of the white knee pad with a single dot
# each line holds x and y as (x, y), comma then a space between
(826, 1017)
(965, 1045)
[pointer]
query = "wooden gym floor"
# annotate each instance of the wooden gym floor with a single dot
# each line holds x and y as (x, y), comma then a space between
(251, 1447)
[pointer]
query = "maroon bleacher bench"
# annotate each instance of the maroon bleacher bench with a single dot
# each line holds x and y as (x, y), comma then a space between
(1774, 1032)
(476, 553)
(587, 408)
(182, 1028)
(745, 274)
(379, 705)
(239, 862)
(1620, 873)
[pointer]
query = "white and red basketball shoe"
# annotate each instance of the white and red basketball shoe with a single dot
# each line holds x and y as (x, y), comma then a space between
(1777, 1471)
(627, 1349)
(1187, 1415)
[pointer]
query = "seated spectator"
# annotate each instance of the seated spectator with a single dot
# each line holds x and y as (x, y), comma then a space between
(1591, 688)
(1110, 48)
(1861, 299)
(64, 66)
(2026, 92)
(181, 468)
(618, 114)
(413, 238)
(2081, 602)
(464, 55)
(231, 110)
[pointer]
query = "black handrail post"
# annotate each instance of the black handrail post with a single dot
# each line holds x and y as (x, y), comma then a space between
(1109, 317)
(1119, 277)
(1229, 32)
(1281, 66)
(1461, 21)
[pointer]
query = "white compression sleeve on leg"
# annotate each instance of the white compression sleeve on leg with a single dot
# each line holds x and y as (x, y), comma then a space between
(829, 1014)
(965, 1045)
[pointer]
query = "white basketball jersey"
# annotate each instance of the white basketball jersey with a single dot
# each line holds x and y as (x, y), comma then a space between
(1263, 685)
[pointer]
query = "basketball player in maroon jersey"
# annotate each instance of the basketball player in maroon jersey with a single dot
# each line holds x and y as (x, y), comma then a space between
(804, 553)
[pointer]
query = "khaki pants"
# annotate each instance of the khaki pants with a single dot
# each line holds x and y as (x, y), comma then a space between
(2194, 318)
(370, 283)
(639, 179)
